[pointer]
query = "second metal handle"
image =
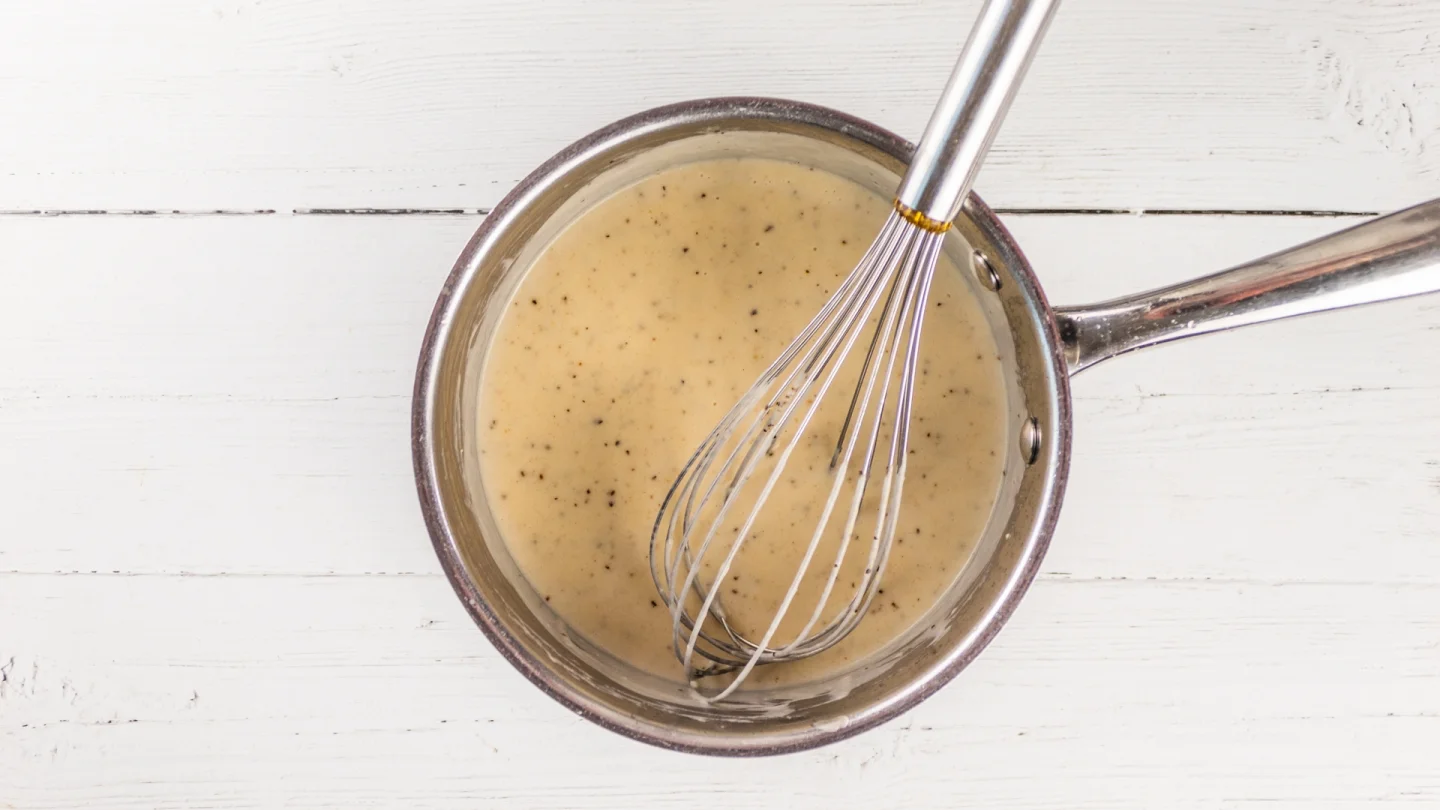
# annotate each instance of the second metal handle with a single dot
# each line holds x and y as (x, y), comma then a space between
(1394, 256)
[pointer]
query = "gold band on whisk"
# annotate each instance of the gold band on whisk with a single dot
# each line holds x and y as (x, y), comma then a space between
(919, 220)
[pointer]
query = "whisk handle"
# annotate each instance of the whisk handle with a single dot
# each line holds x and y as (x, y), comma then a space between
(975, 100)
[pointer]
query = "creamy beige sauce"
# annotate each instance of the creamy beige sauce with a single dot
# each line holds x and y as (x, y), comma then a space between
(636, 330)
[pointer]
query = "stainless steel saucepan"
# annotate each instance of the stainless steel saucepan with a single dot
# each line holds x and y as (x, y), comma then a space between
(1040, 346)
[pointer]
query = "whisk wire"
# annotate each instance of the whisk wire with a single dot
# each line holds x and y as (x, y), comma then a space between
(912, 312)
(687, 487)
(896, 269)
(818, 362)
(892, 317)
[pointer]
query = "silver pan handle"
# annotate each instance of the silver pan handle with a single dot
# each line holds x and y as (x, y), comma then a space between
(1394, 256)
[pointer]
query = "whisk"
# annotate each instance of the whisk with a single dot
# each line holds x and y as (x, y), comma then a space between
(730, 477)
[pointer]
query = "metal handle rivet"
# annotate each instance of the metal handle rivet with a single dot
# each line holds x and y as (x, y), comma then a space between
(985, 271)
(1030, 440)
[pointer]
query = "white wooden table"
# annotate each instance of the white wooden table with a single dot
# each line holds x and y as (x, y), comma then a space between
(222, 227)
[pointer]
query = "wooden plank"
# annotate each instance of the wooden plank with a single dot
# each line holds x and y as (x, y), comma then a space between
(231, 395)
(297, 104)
(377, 691)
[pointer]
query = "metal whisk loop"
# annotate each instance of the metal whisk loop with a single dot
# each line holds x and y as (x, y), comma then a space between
(688, 486)
(916, 279)
(897, 269)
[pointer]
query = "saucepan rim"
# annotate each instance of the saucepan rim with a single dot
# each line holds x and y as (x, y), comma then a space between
(424, 450)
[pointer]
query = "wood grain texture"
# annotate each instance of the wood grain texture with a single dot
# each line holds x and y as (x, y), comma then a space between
(216, 592)
(231, 395)
(377, 691)
(301, 104)
(215, 587)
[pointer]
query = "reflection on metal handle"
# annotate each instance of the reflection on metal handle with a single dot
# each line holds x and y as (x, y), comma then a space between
(979, 92)
(1391, 257)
